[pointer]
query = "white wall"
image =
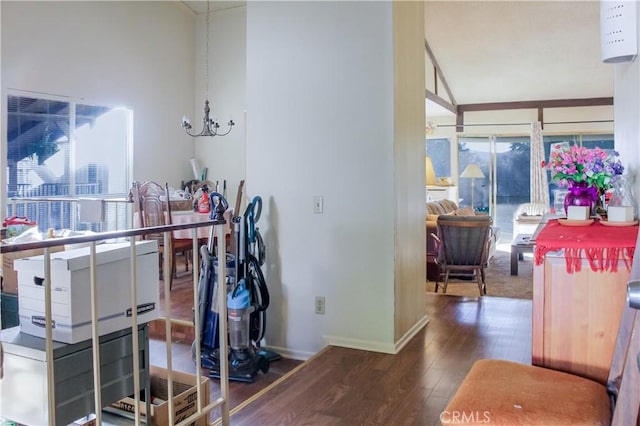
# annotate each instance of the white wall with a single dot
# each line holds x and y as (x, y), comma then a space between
(320, 122)
(135, 54)
(627, 114)
(223, 156)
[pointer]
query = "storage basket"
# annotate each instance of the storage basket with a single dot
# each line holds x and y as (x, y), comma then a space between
(181, 205)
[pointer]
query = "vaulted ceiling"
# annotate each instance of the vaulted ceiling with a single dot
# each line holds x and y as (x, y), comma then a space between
(511, 51)
(508, 51)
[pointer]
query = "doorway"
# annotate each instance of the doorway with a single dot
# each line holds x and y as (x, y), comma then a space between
(505, 163)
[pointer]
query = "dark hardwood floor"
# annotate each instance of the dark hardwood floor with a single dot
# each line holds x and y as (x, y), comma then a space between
(343, 386)
(351, 387)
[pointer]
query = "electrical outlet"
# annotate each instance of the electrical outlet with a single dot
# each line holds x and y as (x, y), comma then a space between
(318, 204)
(320, 305)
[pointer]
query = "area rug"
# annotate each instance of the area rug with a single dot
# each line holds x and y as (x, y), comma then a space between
(499, 281)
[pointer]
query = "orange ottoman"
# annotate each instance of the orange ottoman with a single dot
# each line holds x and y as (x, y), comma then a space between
(498, 392)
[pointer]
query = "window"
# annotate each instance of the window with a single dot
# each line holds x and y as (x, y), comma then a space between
(439, 150)
(605, 142)
(60, 148)
(506, 163)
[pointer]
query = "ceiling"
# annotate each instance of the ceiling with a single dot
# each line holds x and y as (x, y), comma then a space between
(506, 51)
(200, 6)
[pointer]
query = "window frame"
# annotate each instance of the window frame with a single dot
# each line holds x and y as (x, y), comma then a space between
(71, 161)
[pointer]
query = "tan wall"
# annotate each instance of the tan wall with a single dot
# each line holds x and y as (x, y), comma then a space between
(409, 113)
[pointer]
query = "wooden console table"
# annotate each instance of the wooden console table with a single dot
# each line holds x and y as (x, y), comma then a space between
(579, 292)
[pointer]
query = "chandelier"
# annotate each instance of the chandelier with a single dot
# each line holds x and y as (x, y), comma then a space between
(210, 126)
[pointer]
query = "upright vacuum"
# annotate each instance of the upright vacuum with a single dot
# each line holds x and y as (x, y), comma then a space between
(247, 298)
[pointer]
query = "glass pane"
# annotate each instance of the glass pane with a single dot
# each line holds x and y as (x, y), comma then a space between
(37, 138)
(474, 191)
(439, 150)
(556, 193)
(59, 149)
(101, 151)
(513, 169)
(512, 165)
(603, 141)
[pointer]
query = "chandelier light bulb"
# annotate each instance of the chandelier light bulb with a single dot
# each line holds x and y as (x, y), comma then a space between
(210, 126)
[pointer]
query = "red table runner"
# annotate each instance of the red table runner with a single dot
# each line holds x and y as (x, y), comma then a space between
(603, 246)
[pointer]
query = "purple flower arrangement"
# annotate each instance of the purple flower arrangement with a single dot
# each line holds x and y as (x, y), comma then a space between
(595, 166)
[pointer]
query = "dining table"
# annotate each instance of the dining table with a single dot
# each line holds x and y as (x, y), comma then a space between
(179, 217)
(187, 216)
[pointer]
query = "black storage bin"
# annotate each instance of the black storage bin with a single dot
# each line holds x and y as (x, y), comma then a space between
(9, 310)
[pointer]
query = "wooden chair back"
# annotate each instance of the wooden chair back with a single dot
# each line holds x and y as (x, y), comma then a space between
(464, 241)
(151, 204)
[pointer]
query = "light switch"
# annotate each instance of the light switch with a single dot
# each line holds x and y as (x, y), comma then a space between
(318, 204)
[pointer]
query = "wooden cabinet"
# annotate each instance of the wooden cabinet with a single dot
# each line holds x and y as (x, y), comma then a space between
(576, 316)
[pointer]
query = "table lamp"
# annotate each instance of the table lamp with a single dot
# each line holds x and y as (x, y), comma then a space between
(472, 171)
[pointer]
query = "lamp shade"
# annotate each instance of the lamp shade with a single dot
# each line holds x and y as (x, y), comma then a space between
(429, 173)
(472, 171)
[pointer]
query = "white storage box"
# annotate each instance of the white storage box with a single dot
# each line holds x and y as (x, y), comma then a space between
(71, 290)
(578, 213)
(620, 213)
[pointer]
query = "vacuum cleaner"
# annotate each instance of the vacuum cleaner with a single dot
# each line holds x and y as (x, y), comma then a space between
(247, 299)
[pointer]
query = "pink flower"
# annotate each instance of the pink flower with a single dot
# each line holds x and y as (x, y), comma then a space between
(594, 166)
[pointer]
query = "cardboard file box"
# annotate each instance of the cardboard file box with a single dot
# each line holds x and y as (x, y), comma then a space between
(9, 275)
(71, 290)
(185, 398)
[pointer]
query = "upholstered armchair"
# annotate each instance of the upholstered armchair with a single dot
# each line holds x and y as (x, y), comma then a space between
(527, 217)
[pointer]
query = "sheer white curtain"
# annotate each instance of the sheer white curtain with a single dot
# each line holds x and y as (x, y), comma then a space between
(538, 174)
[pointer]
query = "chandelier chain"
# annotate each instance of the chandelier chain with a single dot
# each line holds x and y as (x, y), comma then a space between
(206, 75)
(210, 126)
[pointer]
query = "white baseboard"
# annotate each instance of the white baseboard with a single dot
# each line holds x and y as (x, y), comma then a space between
(411, 333)
(368, 345)
(365, 345)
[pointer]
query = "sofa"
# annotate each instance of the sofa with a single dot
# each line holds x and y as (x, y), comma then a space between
(435, 209)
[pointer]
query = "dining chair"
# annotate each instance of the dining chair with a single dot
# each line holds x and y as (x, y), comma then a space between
(463, 247)
(153, 209)
(180, 245)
